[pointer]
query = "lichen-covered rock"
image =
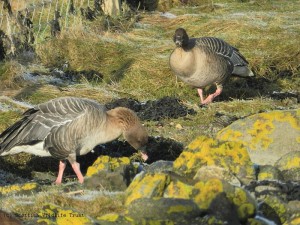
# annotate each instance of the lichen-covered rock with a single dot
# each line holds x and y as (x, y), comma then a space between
(206, 192)
(114, 218)
(267, 136)
(208, 172)
(293, 221)
(53, 215)
(147, 185)
(159, 166)
(278, 206)
(163, 209)
(268, 172)
(289, 164)
(114, 174)
(26, 188)
(106, 163)
(204, 151)
(178, 189)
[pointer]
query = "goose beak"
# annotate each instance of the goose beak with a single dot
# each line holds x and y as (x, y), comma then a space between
(178, 43)
(144, 153)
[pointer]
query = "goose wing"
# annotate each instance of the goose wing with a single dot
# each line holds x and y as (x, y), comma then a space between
(37, 122)
(224, 49)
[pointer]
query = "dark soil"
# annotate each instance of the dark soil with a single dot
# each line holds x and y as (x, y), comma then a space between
(76, 76)
(166, 107)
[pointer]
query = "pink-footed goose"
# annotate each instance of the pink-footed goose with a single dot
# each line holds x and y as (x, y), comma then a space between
(204, 61)
(68, 126)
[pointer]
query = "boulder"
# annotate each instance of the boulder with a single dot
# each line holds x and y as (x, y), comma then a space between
(267, 172)
(267, 136)
(110, 173)
(173, 209)
(147, 185)
(204, 151)
(289, 164)
(208, 172)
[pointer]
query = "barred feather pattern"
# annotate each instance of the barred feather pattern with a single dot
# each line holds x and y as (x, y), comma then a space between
(224, 49)
(46, 118)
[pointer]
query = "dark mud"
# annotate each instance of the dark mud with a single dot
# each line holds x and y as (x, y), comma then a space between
(166, 107)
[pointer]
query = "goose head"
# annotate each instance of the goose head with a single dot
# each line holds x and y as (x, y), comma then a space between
(132, 129)
(181, 38)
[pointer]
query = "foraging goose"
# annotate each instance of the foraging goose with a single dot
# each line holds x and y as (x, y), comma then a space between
(66, 127)
(204, 61)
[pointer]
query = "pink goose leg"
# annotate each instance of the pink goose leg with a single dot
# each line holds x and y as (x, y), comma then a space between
(61, 169)
(211, 97)
(76, 168)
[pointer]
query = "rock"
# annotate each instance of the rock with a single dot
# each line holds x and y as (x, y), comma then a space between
(204, 151)
(147, 185)
(52, 214)
(278, 208)
(113, 219)
(106, 163)
(178, 189)
(208, 172)
(113, 174)
(20, 189)
(206, 192)
(293, 221)
(163, 209)
(268, 213)
(289, 164)
(159, 166)
(267, 136)
(268, 172)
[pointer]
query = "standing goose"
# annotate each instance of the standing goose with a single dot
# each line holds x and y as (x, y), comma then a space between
(203, 61)
(66, 127)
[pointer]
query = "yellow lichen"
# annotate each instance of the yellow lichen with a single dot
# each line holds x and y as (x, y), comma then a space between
(259, 136)
(265, 176)
(111, 217)
(178, 189)
(16, 188)
(207, 191)
(51, 214)
(147, 186)
(106, 162)
(295, 221)
(230, 155)
(292, 163)
(245, 211)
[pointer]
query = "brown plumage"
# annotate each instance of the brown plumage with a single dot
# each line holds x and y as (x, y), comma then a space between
(66, 127)
(204, 61)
